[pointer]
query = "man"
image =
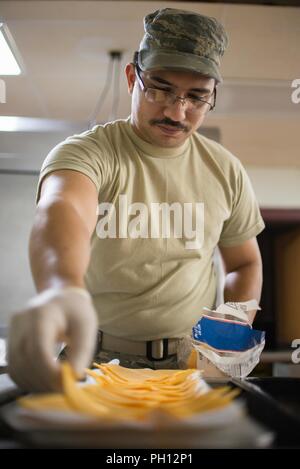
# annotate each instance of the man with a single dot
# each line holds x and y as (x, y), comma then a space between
(129, 215)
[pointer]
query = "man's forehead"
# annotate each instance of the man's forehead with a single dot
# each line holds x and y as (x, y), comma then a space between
(190, 79)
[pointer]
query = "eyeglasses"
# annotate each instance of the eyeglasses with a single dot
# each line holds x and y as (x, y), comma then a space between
(168, 98)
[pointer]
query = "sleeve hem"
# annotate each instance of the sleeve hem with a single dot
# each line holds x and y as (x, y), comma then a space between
(236, 240)
(56, 167)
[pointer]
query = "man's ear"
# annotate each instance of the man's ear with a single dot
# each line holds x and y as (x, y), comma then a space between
(130, 75)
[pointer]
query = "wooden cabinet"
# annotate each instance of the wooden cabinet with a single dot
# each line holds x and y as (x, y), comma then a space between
(280, 302)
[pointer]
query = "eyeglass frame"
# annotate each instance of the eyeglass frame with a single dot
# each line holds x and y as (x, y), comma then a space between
(144, 88)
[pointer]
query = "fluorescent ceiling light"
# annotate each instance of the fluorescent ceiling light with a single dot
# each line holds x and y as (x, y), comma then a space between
(8, 62)
(36, 124)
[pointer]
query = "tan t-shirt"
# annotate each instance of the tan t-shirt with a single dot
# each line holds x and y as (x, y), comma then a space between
(149, 276)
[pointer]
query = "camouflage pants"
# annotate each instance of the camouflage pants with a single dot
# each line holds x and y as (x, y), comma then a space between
(135, 361)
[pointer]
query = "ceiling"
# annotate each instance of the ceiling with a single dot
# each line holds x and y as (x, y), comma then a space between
(64, 49)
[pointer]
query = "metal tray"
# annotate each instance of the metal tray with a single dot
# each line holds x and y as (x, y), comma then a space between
(275, 403)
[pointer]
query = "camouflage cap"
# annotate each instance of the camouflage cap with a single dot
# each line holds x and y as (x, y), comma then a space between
(182, 40)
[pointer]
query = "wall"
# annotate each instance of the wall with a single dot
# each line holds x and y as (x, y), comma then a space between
(17, 194)
(276, 187)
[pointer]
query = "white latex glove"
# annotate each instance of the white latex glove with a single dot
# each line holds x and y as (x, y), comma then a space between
(53, 316)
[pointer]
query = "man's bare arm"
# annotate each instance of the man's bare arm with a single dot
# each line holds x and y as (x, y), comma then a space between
(243, 268)
(60, 237)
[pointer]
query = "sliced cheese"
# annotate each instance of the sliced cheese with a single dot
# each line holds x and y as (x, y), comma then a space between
(121, 393)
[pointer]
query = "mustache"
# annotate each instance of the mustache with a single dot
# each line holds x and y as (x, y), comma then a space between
(169, 123)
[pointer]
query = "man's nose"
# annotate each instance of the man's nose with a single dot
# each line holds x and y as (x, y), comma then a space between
(176, 111)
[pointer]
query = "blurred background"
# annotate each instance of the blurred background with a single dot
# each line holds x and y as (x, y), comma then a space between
(72, 56)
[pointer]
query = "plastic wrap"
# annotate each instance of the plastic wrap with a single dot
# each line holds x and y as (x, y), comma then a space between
(225, 341)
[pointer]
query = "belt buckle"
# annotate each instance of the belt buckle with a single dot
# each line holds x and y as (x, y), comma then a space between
(165, 350)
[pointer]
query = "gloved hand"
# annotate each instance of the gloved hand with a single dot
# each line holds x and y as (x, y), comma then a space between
(51, 317)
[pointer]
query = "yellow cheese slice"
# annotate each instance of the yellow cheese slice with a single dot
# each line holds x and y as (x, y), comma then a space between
(121, 393)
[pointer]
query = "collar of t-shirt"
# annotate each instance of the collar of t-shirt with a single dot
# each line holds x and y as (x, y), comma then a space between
(154, 150)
